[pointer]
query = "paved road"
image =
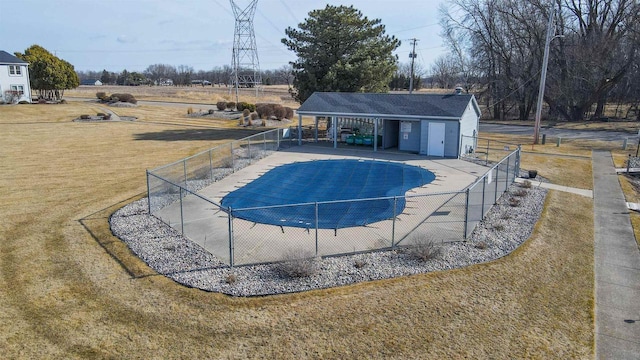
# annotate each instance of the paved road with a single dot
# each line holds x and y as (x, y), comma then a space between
(555, 133)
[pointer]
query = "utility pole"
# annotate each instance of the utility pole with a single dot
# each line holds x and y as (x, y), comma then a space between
(543, 74)
(412, 56)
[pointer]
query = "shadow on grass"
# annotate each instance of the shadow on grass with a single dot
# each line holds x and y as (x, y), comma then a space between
(97, 225)
(198, 134)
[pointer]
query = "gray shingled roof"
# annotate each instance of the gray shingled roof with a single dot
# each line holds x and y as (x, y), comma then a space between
(386, 105)
(6, 58)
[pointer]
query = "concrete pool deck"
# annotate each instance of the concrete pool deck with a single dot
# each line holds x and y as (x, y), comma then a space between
(205, 224)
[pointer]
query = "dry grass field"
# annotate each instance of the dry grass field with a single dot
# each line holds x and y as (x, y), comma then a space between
(69, 289)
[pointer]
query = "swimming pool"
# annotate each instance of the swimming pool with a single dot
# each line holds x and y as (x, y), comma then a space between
(330, 190)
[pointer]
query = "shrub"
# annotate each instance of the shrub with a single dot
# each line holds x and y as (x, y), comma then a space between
(251, 107)
(240, 106)
(424, 249)
(231, 105)
(254, 116)
(526, 184)
(278, 111)
(359, 264)
(23, 102)
(189, 110)
(265, 111)
(221, 105)
(288, 113)
(85, 117)
(211, 111)
(514, 202)
(245, 112)
(498, 227)
(520, 192)
(231, 279)
(101, 94)
(124, 97)
(298, 264)
(481, 245)
(101, 114)
(107, 117)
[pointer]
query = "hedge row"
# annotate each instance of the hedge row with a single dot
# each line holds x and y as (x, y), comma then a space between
(121, 97)
(267, 111)
(223, 105)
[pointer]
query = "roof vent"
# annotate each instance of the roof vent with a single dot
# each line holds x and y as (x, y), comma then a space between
(458, 90)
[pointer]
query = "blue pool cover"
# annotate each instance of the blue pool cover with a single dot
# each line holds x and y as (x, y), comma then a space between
(287, 195)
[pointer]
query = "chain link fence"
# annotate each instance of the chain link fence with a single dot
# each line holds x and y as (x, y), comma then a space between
(233, 237)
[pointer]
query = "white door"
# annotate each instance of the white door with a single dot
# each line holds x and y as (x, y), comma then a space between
(436, 139)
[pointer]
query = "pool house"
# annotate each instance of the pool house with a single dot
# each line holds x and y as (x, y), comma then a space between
(438, 125)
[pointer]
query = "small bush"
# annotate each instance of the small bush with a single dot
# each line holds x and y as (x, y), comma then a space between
(298, 264)
(288, 113)
(240, 106)
(231, 279)
(250, 106)
(107, 117)
(265, 111)
(520, 192)
(425, 249)
(514, 202)
(221, 105)
(211, 111)
(246, 112)
(359, 264)
(23, 102)
(231, 105)
(189, 110)
(101, 114)
(85, 117)
(481, 245)
(254, 116)
(498, 227)
(101, 94)
(278, 111)
(526, 184)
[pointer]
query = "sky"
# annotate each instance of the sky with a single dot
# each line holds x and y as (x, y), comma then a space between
(133, 34)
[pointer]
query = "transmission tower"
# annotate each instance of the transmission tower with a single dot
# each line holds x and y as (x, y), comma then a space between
(245, 64)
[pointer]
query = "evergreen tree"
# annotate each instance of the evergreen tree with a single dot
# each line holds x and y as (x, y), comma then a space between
(340, 50)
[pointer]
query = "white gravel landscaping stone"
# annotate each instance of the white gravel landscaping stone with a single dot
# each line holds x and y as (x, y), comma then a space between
(504, 229)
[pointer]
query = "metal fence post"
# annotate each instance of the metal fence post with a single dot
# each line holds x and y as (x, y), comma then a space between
(506, 181)
(181, 214)
(495, 195)
(317, 226)
(486, 161)
(393, 225)
(264, 139)
(230, 237)
(148, 193)
(210, 165)
(466, 214)
(484, 188)
(184, 166)
(233, 165)
(249, 150)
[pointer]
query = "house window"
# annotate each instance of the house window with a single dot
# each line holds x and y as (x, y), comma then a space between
(17, 89)
(15, 70)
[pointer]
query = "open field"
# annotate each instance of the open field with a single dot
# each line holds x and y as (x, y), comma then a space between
(69, 289)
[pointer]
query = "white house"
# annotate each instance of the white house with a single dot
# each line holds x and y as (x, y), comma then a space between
(439, 125)
(14, 79)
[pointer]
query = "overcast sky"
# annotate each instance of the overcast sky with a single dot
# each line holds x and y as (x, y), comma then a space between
(133, 34)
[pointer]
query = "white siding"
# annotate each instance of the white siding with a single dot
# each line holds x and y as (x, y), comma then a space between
(469, 127)
(7, 81)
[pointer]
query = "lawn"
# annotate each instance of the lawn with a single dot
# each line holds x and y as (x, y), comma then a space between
(69, 289)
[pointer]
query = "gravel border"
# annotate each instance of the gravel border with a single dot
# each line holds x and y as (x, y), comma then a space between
(503, 230)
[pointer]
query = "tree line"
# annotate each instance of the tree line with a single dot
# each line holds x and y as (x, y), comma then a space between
(496, 50)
